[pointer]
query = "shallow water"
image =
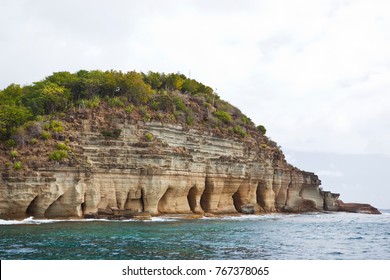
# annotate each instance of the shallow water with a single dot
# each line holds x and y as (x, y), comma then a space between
(274, 236)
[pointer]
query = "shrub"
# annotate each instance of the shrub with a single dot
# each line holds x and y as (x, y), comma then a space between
(18, 165)
(154, 105)
(223, 116)
(179, 104)
(163, 102)
(40, 118)
(11, 143)
(116, 102)
(63, 146)
(58, 155)
(190, 119)
(56, 126)
(14, 153)
(45, 135)
(171, 117)
(159, 116)
(145, 114)
(239, 131)
(129, 109)
(149, 136)
(262, 129)
(34, 141)
(91, 103)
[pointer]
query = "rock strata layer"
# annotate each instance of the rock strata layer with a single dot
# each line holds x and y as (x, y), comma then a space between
(177, 171)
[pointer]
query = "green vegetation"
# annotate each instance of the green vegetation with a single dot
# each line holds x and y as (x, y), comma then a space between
(149, 136)
(58, 155)
(224, 117)
(45, 135)
(56, 126)
(90, 103)
(18, 165)
(239, 131)
(115, 102)
(63, 147)
(129, 109)
(262, 129)
(38, 111)
(14, 153)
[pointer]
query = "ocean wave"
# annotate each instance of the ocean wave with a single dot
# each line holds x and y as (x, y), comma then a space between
(335, 216)
(28, 221)
(161, 219)
(32, 221)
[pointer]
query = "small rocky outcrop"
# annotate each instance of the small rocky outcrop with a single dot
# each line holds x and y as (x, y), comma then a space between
(358, 208)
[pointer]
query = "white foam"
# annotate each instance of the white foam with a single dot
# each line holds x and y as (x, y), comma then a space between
(161, 219)
(27, 221)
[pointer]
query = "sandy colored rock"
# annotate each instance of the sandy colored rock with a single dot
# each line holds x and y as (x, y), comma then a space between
(179, 172)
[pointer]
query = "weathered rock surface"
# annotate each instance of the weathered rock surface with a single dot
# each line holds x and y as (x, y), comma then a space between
(358, 208)
(180, 172)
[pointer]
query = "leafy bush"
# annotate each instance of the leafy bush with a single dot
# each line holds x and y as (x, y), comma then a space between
(224, 117)
(246, 121)
(34, 141)
(159, 116)
(262, 129)
(45, 135)
(129, 109)
(12, 116)
(11, 143)
(63, 146)
(58, 155)
(162, 102)
(115, 102)
(239, 131)
(179, 104)
(56, 126)
(133, 86)
(14, 153)
(145, 114)
(190, 119)
(149, 136)
(91, 103)
(18, 165)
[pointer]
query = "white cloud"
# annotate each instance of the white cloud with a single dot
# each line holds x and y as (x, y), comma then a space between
(316, 73)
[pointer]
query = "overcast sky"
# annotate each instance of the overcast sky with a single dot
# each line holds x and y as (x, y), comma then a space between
(315, 73)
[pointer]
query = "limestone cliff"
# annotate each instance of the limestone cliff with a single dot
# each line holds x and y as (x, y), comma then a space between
(179, 170)
(96, 143)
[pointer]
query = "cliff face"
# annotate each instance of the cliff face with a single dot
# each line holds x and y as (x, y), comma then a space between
(173, 171)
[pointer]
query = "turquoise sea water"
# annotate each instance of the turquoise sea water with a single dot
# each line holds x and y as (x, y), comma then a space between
(274, 236)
